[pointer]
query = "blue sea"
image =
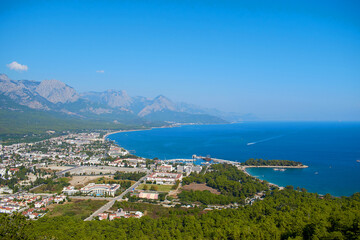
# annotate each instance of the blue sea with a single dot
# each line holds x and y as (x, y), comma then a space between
(330, 149)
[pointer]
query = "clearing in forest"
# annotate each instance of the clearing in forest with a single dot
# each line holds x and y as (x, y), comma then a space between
(200, 187)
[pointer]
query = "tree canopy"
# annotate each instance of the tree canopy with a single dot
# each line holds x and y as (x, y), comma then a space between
(286, 214)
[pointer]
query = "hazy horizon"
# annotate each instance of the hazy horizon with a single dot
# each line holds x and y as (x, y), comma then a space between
(282, 61)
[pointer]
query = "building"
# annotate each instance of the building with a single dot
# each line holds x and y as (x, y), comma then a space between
(120, 213)
(7, 209)
(100, 189)
(6, 189)
(117, 163)
(70, 190)
(187, 169)
(39, 204)
(117, 151)
(59, 198)
(103, 216)
(165, 168)
(164, 178)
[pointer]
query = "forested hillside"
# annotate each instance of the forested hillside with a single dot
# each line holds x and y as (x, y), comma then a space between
(286, 214)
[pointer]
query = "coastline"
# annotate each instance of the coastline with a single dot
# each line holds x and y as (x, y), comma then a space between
(136, 130)
(240, 167)
(151, 128)
(123, 131)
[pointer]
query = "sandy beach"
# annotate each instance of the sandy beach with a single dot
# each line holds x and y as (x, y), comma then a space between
(136, 130)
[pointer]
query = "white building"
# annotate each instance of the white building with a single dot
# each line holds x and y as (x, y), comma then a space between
(4, 209)
(117, 151)
(100, 189)
(59, 198)
(187, 169)
(164, 178)
(70, 190)
(6, 189)
(103, 216)
(165, 168)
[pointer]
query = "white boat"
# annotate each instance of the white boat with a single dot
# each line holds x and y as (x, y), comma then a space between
(358, 160)
(280, 169)
(316, 173)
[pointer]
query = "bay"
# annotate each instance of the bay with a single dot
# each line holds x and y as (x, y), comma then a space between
(330, 149)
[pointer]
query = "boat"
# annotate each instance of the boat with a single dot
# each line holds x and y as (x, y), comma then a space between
(358, 160)
(316, 173)
(280, 169)
(207, 158)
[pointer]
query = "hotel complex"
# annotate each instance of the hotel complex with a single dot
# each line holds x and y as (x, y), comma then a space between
(100, 189)
(164, 178)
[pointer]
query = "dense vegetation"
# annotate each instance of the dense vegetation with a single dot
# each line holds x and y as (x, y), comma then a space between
(79, 209)
(261, 162)
(286, 214)
(233, 184)
(50, 185)
(134, 176)
(206, 197)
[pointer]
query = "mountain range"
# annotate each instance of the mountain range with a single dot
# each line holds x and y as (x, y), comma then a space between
(55, 98)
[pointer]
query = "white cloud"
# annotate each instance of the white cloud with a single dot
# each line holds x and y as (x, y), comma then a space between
(17, 66)
(100, 71)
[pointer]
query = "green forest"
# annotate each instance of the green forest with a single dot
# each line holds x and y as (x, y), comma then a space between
(233, 184)
(286, 214)
(134, 176)
(261, 162)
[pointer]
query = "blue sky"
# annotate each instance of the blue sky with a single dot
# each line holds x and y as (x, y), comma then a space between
(280, 60)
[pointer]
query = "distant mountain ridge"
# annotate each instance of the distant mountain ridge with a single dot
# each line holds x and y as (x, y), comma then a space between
(111, 105)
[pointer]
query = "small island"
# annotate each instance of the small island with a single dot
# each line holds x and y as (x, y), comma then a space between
(258, 162)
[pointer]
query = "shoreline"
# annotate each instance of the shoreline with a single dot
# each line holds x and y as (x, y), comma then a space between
(240, 167)
(136, 130)
(123, 131)
(151, 128)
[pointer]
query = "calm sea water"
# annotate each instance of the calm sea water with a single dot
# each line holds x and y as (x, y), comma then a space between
(329, 149)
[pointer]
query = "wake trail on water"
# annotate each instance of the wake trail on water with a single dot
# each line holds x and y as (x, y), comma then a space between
(265, 140)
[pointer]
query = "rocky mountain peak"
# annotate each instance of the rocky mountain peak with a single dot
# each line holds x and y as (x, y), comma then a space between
(160, 103)
(4, 77)
(56, 91)
(117, 98)
(112, 98)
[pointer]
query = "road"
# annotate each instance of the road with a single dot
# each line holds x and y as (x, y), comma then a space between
(67, 170)
(35, 187)
(108, 205)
